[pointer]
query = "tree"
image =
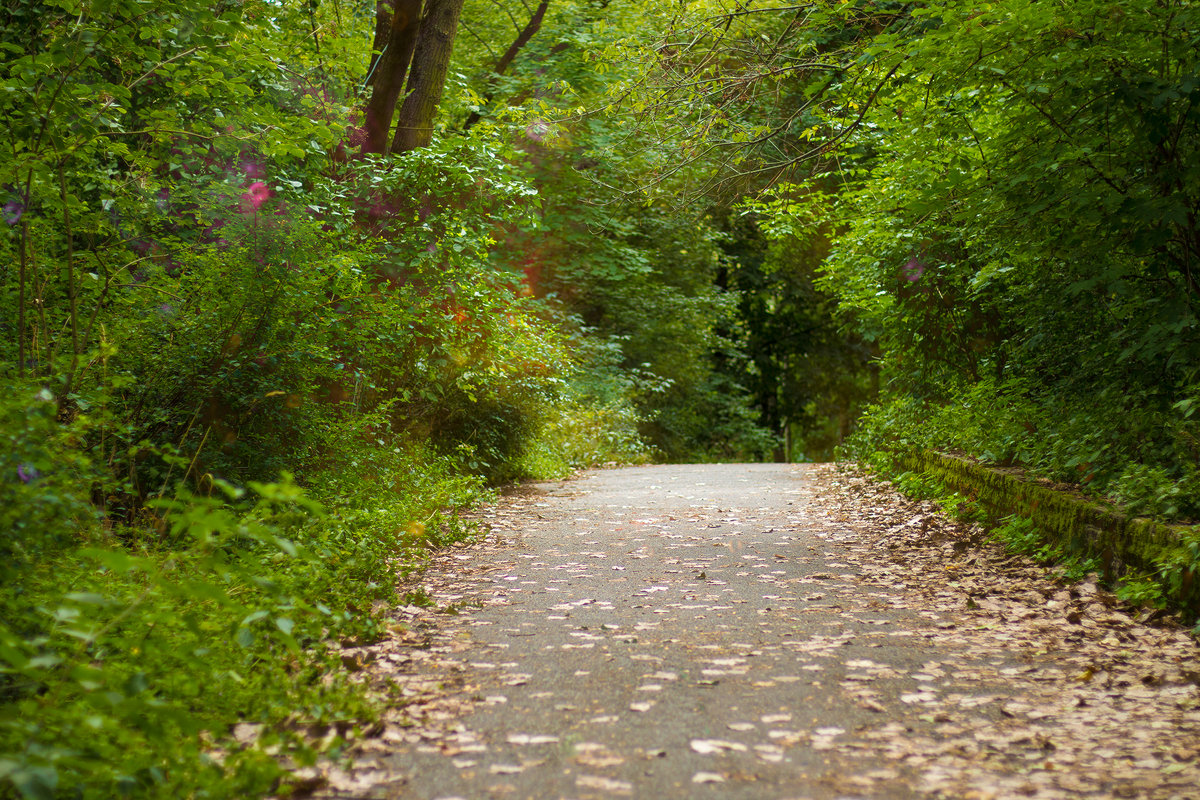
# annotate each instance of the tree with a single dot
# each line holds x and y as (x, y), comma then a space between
(750, 94)
(390, 73)
(414, 58)
(523, 37)
(431, 60)
(1021, 227)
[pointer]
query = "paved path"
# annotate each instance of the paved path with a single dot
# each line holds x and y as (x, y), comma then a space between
(716, 631)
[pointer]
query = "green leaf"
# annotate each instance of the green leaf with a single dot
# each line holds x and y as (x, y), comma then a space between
(244, 637)
(286, 545)
(90, 598)
(254, 617)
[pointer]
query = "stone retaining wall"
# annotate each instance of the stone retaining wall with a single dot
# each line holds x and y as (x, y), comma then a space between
(1084, 527)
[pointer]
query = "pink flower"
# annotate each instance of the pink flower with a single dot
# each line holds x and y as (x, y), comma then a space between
(536, 131)
(13, 210)
(913, 270)
(256, 195)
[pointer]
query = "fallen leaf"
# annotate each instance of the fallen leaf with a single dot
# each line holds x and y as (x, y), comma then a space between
(708, 777)
(505, 769)
(604, 784)
(711, 746)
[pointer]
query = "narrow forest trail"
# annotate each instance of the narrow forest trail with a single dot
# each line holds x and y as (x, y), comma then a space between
(765, 631)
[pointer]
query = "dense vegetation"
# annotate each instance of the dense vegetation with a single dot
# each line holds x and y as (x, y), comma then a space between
(1032, 274)
(284, 283)
(1003, 200)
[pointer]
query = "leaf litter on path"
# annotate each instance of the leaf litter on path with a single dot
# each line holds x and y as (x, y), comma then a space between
(847, 642)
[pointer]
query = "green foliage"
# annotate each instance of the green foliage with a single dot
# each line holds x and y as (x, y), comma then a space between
(1019, 240)
(1170, 580)
(128, 653)
(1142, 590)
(1020, 534)
(594, 420)
(916, 485)
(1104, 443)
(124, 670)
(43, 499)
(642, 278)
(199, 294)
(1152, 491)
(806, 372)
(200, 291)
(708, 99)
(576, 435)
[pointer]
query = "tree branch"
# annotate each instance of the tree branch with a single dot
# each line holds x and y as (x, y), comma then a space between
(528, 32)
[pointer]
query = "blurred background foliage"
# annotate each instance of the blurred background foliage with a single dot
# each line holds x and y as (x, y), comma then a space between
(251, 371)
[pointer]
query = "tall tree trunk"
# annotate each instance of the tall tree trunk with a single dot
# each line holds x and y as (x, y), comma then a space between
(391, 70)
(528, 32)
(427, 78)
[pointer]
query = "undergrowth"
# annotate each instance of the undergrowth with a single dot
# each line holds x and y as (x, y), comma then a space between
(129, 651)
(132, 644)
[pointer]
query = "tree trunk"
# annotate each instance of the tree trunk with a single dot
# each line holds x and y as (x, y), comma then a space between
(383, 27)
(528, 32)
(391, 70)
(427, 78)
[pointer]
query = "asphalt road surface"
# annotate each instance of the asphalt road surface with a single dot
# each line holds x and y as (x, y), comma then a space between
(728, 631)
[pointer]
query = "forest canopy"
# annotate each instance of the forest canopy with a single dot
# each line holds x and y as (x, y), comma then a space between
(282, 283)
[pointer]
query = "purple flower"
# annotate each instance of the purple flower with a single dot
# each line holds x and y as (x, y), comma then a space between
(913, 270)
(253, 169)
(27, 474)
(13, 211)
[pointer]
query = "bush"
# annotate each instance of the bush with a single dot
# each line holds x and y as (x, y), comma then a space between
(44, 483)
(126, 660)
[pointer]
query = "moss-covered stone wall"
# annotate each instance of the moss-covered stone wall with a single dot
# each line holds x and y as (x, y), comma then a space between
(1083, 527)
